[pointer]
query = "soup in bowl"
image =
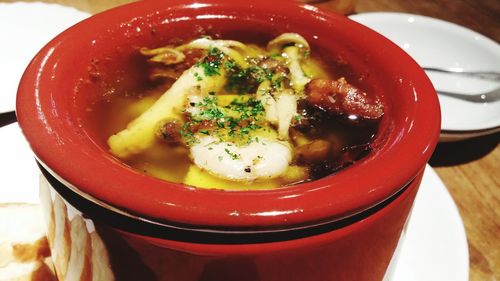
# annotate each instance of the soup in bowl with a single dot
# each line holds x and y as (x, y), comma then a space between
(207, 141)
(239, 116)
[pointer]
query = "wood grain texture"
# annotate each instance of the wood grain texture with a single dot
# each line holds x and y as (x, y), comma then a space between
(470, 169)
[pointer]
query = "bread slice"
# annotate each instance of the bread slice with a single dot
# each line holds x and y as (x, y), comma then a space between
(41, 270)
(47, 209)
(101, 268)
(78, 254)
(24, 249)
(61, 247)
(79, 265)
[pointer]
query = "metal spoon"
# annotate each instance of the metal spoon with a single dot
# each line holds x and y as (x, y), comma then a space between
(486, 75)
(7, 118)
(491, 96)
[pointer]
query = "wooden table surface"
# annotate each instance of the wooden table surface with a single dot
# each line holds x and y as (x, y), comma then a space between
(470, 169)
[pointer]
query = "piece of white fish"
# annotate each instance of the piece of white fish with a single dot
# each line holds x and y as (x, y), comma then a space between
(263, 159)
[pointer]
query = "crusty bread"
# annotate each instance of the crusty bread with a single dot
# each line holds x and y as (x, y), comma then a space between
(78, 254)
(79, 264)
(24, 247)
(101, 269)
(24, 250)
(61, 246)
(47, 209)
(21, 232)
(41, 270)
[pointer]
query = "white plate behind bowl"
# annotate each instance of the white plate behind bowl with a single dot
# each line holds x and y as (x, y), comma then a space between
(24, 29)
(437, 43)
(434, 248)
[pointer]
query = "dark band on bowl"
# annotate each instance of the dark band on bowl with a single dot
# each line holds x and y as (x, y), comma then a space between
(107, 217)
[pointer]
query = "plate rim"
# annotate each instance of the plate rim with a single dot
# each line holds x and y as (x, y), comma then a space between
(59, 17)
(487, 42)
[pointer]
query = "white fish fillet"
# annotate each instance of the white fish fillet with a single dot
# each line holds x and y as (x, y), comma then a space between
(264, 159)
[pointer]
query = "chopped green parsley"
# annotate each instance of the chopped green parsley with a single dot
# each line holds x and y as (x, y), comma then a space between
(212, 62)
(233, 155)
(238, 119)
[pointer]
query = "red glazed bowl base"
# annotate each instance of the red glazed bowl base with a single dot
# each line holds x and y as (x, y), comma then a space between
(333, 255)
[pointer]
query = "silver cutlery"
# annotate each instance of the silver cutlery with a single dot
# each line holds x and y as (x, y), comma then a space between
(7, 118)
(486, 75)
(491, 96)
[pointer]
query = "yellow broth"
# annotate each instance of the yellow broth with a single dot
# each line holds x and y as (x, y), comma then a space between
(173, 163)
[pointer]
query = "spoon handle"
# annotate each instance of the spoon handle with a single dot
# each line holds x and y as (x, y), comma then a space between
(7, 118)
(487, 97)
(486, 75)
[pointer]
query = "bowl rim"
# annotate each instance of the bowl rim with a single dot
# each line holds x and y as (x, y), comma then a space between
(88, 169)
(151, 230)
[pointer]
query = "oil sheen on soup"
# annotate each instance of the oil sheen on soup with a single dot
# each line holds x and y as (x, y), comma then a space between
(227, 115)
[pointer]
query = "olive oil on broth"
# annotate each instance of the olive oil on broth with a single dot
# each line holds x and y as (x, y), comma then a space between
(349, 138)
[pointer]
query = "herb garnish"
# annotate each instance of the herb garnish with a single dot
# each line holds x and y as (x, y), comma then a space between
(236, 120)
(277, 83)
(233, 155)
(212, 62)
(245, 80)
(198, 76)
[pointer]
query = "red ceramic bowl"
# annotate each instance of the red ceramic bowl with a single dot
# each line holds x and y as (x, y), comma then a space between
(99, 55)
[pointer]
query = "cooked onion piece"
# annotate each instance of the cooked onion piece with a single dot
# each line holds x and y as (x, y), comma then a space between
(284, 39)
(279, 111)
(226, 46)
(165, 55)
(299, 79)
(286, 107)
(293, 47)
(264, 96)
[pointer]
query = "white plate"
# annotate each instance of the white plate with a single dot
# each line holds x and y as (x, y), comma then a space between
(24, 29)
(434, 247)
(18, 169)
(436, 43)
